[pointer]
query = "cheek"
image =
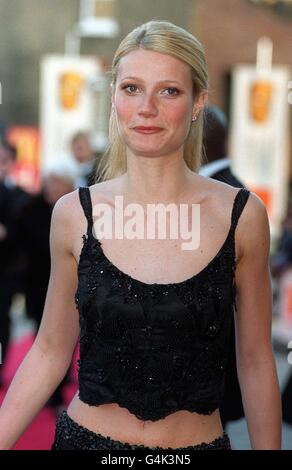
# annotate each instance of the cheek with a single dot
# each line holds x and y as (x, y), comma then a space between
(178, 115)
(124, 109)
(172, 113)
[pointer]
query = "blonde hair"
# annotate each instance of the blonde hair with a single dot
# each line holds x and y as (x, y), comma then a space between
(166, 38)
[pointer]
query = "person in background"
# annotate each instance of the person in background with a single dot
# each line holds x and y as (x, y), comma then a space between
(282, 257)
(215, 140)
(281, 261)
(8, 156)
(84, 157)
(217, 166)
(12, 199)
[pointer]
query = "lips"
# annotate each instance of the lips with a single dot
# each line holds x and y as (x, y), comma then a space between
(147, 130)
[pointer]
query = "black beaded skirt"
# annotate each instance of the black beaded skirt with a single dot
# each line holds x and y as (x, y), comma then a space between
(70, 435)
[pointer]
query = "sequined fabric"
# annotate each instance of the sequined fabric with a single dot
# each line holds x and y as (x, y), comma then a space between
(70, 435)
(154, 348)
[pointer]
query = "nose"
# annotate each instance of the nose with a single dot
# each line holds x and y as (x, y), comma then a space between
(148, 106)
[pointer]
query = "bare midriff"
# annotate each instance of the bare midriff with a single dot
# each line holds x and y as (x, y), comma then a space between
(179, 429)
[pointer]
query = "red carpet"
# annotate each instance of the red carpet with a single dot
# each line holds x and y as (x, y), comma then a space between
(40, 434)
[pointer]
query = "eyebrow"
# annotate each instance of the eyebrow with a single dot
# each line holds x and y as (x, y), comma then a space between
(159, 83)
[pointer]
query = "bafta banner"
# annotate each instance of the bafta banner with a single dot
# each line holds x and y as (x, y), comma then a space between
(259, 141)
(74, 96)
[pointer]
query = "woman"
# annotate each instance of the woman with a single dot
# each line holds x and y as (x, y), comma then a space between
(154, 318)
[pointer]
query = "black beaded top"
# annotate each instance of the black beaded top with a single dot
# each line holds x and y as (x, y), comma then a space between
(154, 348)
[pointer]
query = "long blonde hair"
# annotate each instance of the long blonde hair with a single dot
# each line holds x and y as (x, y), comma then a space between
(166, 38)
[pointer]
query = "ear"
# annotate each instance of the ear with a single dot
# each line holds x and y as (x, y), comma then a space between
(200, 102)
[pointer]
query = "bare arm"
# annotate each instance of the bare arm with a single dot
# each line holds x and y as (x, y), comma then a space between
(255, 360)
(46, 363)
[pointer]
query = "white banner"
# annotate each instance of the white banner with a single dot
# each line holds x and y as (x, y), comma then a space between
(259, 136)
(72, 99)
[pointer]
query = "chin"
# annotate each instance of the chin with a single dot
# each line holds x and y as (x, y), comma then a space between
(147, 152)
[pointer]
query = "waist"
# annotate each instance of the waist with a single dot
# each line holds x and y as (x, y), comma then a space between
(179, 429)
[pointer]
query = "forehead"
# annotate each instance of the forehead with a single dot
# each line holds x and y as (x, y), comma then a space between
(146, 64)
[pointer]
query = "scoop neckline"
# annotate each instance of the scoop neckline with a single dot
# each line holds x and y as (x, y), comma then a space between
(154, 285)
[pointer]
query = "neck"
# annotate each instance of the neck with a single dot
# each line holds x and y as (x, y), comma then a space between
(156, 179)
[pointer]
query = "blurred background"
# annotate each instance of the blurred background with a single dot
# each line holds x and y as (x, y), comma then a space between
(55, 58)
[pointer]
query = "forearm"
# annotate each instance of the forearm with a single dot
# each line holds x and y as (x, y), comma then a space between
(262, 404)
(34, 382)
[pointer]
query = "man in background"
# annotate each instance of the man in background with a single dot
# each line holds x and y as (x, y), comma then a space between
(12, 199)
(84, 157)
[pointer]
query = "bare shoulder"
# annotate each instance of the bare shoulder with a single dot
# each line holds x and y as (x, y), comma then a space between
(224, 194)
(253, 231)
(66, 209)
(68, 218)
(219, 197)
(255, 212)
(105, 191)
(68, 221)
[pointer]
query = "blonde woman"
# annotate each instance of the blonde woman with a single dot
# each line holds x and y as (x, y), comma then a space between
(153, 318)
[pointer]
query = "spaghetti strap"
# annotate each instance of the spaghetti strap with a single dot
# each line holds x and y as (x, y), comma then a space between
(85, 200)
(238, 206)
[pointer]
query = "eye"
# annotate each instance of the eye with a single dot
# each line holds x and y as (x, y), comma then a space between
(129, 88)
(171, 91)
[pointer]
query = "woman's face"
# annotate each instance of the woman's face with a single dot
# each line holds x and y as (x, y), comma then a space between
(154, 102)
